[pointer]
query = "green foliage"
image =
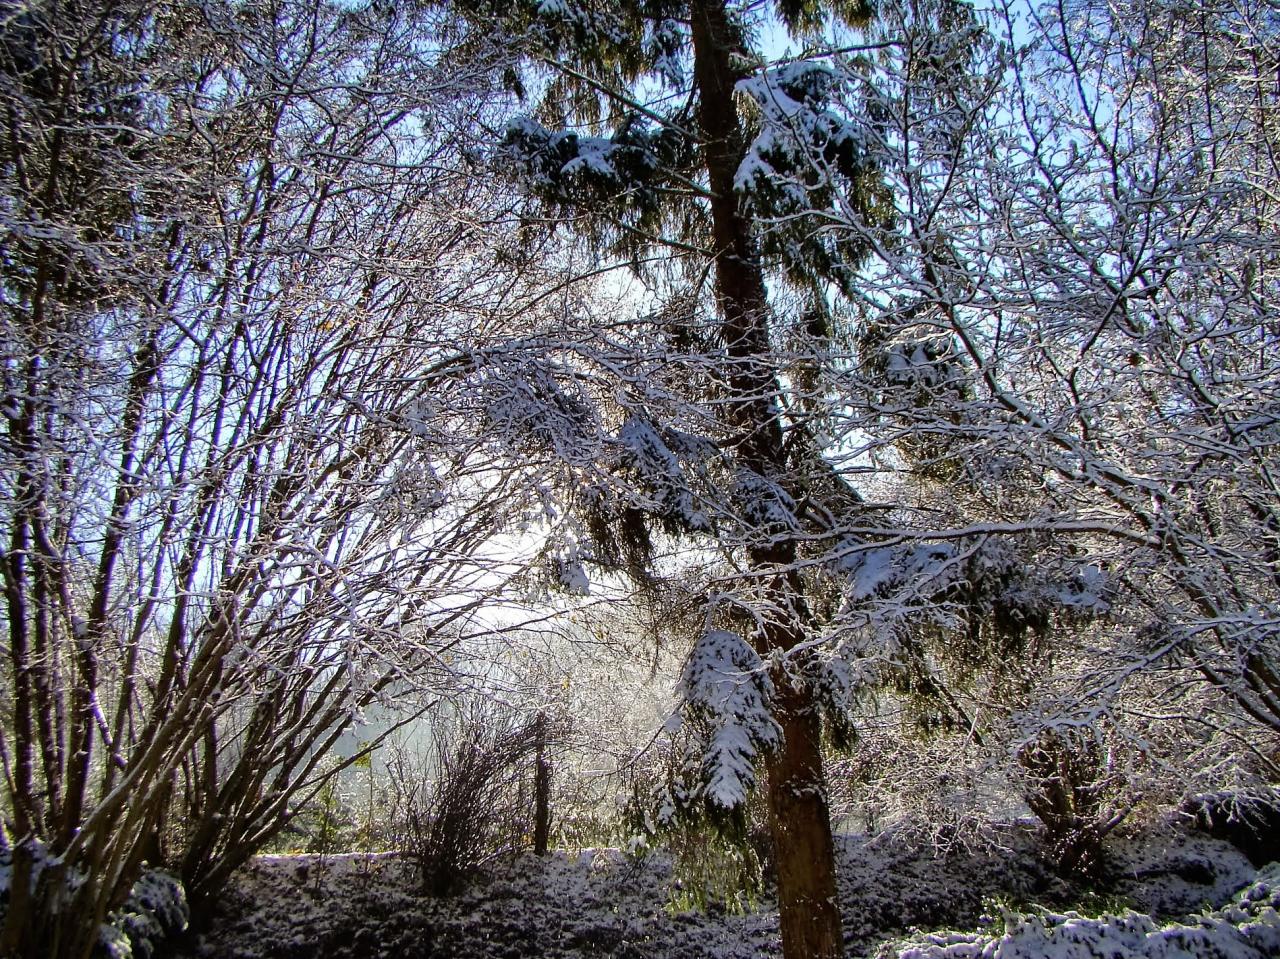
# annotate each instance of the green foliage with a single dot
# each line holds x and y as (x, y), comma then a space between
(717, 854)
(614, 43)
(807, 16)
(621, 180)
(810, 154)
(1087, 902)
(331, 819)
(580, 826)
(712, 872)
(329, 822)
(643, 186)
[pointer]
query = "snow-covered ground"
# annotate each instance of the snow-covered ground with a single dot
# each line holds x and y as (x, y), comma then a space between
(600, 903)
(1248, 927)
(594, 903)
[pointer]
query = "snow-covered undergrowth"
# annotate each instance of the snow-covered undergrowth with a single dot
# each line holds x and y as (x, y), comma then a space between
(593, 903)
(1248, 928)
(600, 903)
(155, 911)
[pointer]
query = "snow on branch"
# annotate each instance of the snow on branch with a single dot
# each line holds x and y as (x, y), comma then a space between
(764, 506)
(533, 407)
(1248, 928)
(795, 131)
(808, 159)
(986, 571)
(726, 685)
(655, 456)
(570, 168)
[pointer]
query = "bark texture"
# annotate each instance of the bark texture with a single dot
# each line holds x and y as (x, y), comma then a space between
(800, 826)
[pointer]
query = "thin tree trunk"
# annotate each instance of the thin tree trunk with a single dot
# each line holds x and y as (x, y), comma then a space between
(541, 792)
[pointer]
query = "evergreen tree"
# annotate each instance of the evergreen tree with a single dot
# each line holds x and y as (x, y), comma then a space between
(732, 182)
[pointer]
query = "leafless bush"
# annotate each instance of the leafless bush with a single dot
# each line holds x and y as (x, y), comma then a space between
(466, 798)
(943, 794)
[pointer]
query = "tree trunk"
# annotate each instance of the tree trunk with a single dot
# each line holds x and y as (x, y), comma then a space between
(799, 820)
(541, 793)
(803, 850)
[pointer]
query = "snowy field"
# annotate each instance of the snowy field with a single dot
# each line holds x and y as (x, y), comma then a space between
(895, 901)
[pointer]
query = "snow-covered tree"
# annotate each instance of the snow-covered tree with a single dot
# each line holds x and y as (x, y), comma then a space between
(235, 510)
(1071, 322)
(971, 364)
(707, 171)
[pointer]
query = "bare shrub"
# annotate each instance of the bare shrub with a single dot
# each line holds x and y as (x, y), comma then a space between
(465, 798)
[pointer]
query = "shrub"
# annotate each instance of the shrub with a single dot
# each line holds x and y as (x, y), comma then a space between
(463, 801)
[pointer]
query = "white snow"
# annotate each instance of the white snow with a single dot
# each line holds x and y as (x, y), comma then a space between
(795, 130)
(592, 902)
(595, 155)
(726, 682)
(877, 571)
(763, 504)
(651, 455)
(1248, 928)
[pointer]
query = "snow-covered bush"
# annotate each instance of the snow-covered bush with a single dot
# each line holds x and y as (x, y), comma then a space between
(155, 910)
(1248, 928)
(1249, 820)
(1075, 785)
